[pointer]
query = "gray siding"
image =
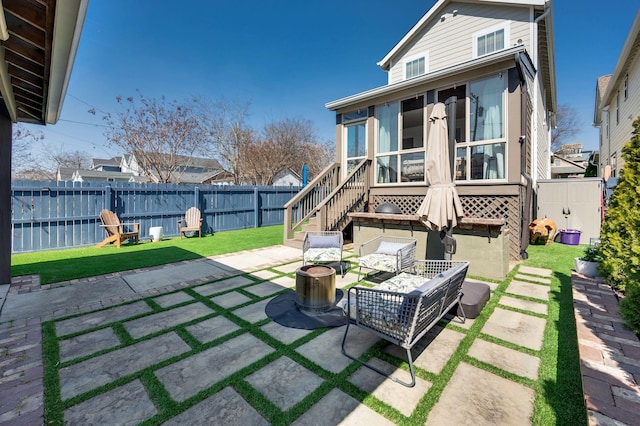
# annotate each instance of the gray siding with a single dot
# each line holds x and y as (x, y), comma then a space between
(450, 42)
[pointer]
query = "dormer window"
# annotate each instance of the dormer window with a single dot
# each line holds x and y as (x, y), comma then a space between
(489, 41)
(415, 66)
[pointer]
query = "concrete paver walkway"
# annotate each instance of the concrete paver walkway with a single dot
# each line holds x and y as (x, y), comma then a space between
(187, 343)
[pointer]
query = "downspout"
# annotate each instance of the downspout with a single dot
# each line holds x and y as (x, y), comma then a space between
(527, 207)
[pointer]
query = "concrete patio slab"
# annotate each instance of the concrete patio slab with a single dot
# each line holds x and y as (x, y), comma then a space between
(493, 286)
(129, 402)
(284, 382)
(37, 304)
(103, 369)
(157, 322)
(285, 282)
(338, 408)
(248, 261)
(510, 360)
(100, 318)
(254, 312)
(209, 330)
(226, 407)
(520, 329)
(537, 291)
(264, 275)
(172, 299)
(193, 374)
(525, 305)
(158, 278)
(264, 289)
(400, 397)
(284, 334)
(289, 268)
(229, 300)
(324, 350)
(535, 271)
(486, 399)
(433, 351)
(223, 285)
(535, 279)
(86, 344)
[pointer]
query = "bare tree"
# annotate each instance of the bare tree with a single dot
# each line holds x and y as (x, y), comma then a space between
(162, 134)
(568, 125)
(72, 159)
(285, 144)
(23, 141)
(228, 134)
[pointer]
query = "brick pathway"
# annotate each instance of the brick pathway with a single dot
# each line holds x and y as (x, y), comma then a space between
(609, 355)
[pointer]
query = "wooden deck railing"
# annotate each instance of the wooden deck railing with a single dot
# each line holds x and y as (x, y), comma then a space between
(350, 196)
(303, 206)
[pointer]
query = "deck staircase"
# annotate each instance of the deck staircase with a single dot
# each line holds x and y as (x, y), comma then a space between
(324, 204)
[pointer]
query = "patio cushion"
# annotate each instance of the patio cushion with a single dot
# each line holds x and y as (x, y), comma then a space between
(324, 241)
(380, 262)
(387, 247)
(322, 254)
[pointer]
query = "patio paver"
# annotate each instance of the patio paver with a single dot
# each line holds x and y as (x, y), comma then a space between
(226, 407)
(284, 382)
(537, 291)
(488, 399)
(103, 369)
(521, 329)
(229, 300)
(150, 324)
(189, 376)
(172, 299)
(223, 285)
(508, 359)
(100, 318)
(209, 330)
(88, 343)
(525, 305)
(129, 402)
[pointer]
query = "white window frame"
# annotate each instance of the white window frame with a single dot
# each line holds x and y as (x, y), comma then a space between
(345, 144)
(504, 26)
(409, 59)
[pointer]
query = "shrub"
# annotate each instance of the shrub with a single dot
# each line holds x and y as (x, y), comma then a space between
(630, 309)
(620, 234)
(591, 254)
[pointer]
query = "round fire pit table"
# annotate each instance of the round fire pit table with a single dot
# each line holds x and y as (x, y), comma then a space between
(315, 288)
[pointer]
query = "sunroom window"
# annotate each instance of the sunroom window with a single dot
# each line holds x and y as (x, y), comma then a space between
(400, 149)
(484, 156)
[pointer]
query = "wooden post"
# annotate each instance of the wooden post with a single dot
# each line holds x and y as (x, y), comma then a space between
(5, 199)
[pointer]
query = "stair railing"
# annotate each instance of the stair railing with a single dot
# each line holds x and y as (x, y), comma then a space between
(351, 195)
(304, 205)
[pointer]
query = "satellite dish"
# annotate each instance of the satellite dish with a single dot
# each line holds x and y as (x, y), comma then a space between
(607, 172)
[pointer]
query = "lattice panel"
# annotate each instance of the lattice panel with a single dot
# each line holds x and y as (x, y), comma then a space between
(497, 207)
(480, 206)
(408, 204)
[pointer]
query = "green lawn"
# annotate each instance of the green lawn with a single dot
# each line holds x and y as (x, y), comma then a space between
(64, 265)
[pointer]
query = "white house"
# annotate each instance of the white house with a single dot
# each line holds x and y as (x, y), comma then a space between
(617, 102)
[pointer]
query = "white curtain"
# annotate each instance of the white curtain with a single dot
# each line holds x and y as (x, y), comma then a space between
(491, 99)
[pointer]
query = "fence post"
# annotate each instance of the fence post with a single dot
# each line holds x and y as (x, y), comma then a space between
(196, 197)
(107, 201)
(256, 208)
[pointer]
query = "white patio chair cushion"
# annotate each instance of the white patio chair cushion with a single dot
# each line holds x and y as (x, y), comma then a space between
(380, 262)
(329, 254)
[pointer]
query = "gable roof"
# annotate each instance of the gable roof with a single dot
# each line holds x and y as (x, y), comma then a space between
(545, 38)
(629, 52)
(601, 87)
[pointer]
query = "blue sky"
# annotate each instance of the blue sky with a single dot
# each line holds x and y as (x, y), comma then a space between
(288, 57)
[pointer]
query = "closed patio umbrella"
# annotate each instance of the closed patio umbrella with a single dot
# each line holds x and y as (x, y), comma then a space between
(441, 206)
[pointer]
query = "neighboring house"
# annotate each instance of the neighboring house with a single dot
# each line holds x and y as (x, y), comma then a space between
(64, 173)
(492, 62)
(569, 161)
(100, 176)
(287, 177)
(617, 102)
(104, 165)
(186, 169)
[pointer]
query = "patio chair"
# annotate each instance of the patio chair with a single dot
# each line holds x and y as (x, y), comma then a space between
(323, 247)
(192, 222)
(387, 254)
(116, 232)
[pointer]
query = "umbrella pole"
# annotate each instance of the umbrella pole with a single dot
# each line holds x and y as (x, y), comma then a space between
(446, 236)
